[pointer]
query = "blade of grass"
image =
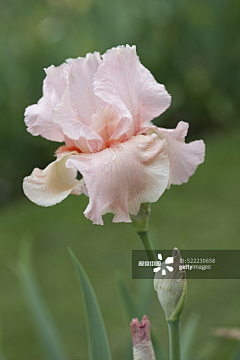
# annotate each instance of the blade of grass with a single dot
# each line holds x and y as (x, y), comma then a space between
(236, 354)
(46, 330)
(131, 307)
(97, 336)
(188, 336)
(2, 357)
(145, 293)
(130, 303)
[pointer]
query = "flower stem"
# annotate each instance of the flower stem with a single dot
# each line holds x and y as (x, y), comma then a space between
(147, 245)
(174, 330)
(140, 224)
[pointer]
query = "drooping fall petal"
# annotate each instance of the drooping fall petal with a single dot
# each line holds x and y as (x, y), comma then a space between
(121, 177)
(123, 82)
(183, 158)
(53, 184)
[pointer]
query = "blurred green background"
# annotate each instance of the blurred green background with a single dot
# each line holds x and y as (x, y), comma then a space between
(191, 46)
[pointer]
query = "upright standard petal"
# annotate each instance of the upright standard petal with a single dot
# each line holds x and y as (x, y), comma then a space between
(84, 100)
(57, 75)
(109, 126)
(105, 122)
(67, 117)
(121, 177)
(184, 158)
(38, 117)
(122, 81)
(53, 184)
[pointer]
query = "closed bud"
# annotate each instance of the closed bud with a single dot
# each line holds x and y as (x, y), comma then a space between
(171, 287)
(142, 345)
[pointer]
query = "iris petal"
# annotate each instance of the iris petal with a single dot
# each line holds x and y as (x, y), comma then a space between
(120, 178)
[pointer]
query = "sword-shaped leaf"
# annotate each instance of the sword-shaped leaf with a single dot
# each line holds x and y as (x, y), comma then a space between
(97, 335)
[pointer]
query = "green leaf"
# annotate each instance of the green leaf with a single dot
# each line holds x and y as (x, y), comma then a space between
(236, 354)
(97, 336)
(132, 307)
(46, 330)
(130, 303)
(2, 357)
(145, 293)
(188, 336)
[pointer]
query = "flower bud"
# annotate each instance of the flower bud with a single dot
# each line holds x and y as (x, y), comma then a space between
(142, 345)
(171, 287)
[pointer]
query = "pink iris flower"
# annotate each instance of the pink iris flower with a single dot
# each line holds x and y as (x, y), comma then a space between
(101, 108)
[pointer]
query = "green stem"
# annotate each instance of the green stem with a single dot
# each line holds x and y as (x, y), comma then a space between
(147, 245)
(140, 224)
(174, 330)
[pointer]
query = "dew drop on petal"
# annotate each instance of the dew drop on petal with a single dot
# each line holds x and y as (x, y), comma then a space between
(105, 162)
(113, 156)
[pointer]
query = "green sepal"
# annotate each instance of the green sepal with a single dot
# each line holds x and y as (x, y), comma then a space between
(179, 308)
